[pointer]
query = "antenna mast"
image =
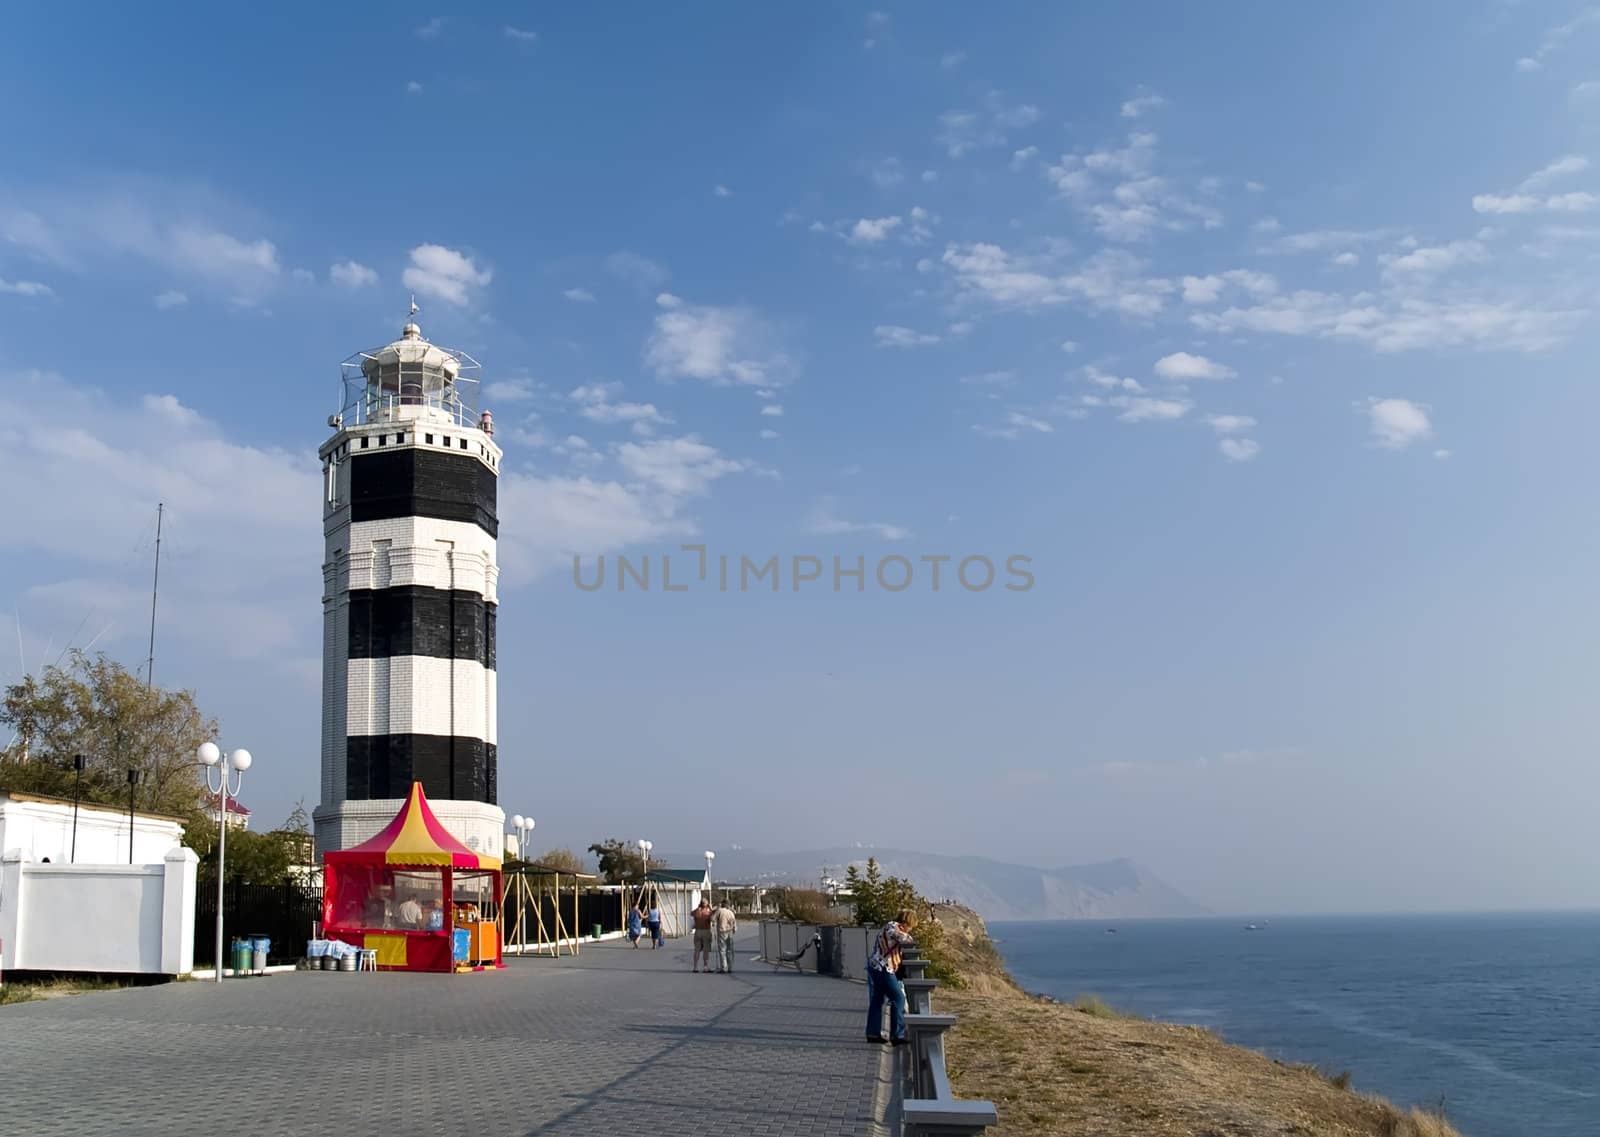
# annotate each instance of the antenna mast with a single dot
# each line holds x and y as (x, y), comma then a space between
(150, 662)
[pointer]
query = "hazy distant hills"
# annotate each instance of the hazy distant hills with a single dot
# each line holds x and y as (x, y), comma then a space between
(994, 889)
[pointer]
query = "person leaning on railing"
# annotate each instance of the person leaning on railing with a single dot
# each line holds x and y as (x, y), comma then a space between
(883, 985)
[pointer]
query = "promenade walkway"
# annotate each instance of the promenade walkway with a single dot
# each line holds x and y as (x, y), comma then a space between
(613, 1042)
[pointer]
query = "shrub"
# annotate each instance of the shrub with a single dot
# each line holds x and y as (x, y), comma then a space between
(803, 905)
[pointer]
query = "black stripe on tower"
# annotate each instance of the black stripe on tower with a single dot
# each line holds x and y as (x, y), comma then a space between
(385, 765)
(409, 482)
(408, 619)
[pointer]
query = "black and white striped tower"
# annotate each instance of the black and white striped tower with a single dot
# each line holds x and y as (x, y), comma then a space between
(409, 597)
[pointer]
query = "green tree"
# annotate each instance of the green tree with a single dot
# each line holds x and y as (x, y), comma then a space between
(253, 858)
(878, 898)
(618, 861)
(95, 707)
(563, 859)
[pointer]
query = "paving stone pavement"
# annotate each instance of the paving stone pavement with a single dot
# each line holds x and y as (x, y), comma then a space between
(616, 1040)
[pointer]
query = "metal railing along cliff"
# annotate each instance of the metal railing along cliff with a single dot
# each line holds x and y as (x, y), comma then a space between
(928, 1106)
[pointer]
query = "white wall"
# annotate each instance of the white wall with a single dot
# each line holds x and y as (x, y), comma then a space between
(98, 918)
(43, 829)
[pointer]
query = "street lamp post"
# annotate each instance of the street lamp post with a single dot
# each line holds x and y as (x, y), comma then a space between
(711, 885)
(78, 763)
(524, 827)
(133, 784)
(210, 756)
(644, 874)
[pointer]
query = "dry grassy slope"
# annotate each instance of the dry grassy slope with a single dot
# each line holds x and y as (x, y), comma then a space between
(1051, 1069)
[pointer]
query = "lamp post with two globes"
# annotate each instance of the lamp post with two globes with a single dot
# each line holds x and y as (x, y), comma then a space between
(524, 827)
(210, 756)
(711, 885)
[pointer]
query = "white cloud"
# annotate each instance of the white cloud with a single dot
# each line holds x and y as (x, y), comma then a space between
(1345, 260)
(1142, 104)
(641, 272)
(961, 132)
(824, 522)
(1208, 289)
(444, 274)
(1401, 323)
(1239, 449)
(892, 335)
(1435, 259)
(1230, 424)
(1110, 280)
(1109, 381)
(594, 401)
(1320, 240)
(1556, 37)
(1526, 198)
(1587, 89)
(1182, 367)
(579, 295)
(773, 410)
(869, 231)
(413, 88)
(430, 30)
(1397, 423)
(233, 509)
(950, 60)
(677, 466)
(170, 299)
(1021, 158)
(27, 288)
(718, 345)
(930, 175)
(165, 224)
(887, 173)
(1069, 346)
(511, 390)
(1142, 408)
(520, 35)
(1441, 454)
(769, 434)
(352, 274)
(960, 328)
(721, 191)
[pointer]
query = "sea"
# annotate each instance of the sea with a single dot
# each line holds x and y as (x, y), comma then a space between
(1496, 1018)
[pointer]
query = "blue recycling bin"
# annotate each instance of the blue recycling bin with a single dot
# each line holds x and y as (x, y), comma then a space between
(460, 945)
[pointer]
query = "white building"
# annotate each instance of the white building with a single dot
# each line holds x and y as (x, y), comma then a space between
(42, 829)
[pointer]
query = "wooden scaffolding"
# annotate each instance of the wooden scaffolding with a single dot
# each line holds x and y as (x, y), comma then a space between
(532, 908)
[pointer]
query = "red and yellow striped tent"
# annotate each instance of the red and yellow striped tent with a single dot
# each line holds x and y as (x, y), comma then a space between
(399, 894)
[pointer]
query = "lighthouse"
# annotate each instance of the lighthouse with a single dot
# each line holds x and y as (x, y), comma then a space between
(409, 598)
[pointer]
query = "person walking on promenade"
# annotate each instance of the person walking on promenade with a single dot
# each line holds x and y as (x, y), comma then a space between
(652, 920)
(883, 985)
(723, 925)
(702, 935)
(635, 925)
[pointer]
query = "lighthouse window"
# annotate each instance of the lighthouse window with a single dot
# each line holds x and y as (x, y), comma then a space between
(429, 437)
(463, 444)
(364, 441)
(400, 439)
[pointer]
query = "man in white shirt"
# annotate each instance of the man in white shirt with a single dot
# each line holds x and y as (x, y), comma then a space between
(410, 912)
(723, 925)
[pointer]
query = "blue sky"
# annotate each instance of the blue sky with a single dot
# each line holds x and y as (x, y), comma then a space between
(1265, 332)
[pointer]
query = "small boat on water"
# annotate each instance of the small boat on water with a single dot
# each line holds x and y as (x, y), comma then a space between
(1111, 931)
(1252, 927)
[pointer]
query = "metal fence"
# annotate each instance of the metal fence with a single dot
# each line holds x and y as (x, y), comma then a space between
(284, 913)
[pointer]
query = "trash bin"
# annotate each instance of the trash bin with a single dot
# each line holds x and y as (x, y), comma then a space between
(241, 953)
(597, 932)
(830, 959)
(260, 946)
